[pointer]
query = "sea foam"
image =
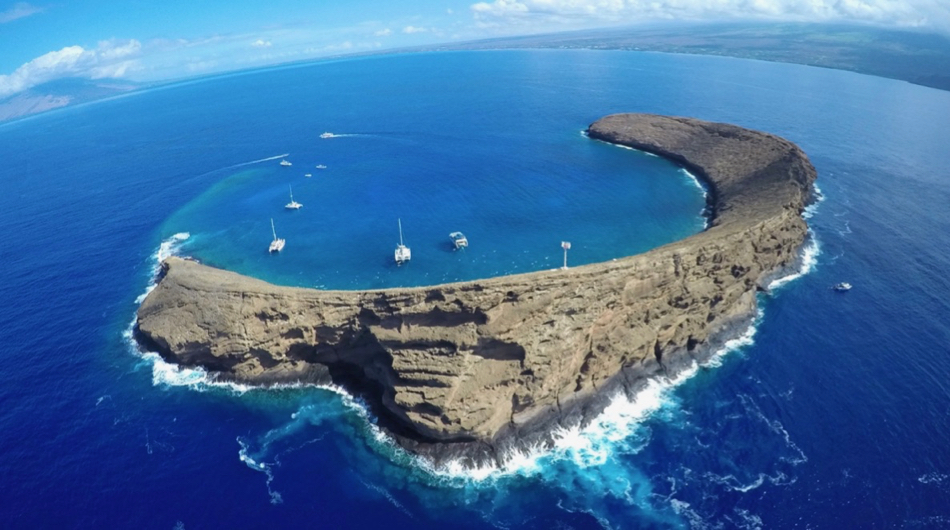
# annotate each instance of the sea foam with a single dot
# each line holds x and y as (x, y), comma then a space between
(810, 252)
(592, 444)
(585, 446)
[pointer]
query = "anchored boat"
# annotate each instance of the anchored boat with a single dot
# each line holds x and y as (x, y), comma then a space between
(285, 163)
(277, 244)
(293, 205)
(459, 240)
(402, 251)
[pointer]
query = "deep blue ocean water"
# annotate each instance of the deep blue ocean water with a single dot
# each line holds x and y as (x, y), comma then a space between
(835, 413)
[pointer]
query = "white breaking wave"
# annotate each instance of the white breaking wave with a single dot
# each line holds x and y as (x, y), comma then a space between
(812, 208)
(696, 181)
(169, 247)
(808, 259)
(164, 373)
(198, 379)
(585, 447)
(593, 444)
(702, 188)
(811, 250)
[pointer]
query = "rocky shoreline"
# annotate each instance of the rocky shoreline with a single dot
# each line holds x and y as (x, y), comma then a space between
(468, 371)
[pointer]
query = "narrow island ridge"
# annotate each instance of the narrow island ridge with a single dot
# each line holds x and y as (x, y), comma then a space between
(467, 371)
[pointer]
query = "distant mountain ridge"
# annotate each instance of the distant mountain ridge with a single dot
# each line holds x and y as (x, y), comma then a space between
(909, 55)
(60, 93)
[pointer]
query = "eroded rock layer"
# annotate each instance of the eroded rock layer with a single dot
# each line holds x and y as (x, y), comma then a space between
(469, 369)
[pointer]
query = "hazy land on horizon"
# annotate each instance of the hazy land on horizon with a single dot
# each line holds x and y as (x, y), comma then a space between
(909, 55)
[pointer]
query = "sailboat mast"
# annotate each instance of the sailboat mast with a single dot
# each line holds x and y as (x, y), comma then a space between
(400, 231)
(272, 229)
(291, 192)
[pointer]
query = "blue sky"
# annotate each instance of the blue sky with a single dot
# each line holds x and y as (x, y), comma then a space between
(144, 41)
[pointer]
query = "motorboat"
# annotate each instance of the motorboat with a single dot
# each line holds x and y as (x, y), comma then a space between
(459, 240)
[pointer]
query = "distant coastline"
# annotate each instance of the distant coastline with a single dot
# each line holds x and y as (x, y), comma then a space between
(907, 55)
(468, 371)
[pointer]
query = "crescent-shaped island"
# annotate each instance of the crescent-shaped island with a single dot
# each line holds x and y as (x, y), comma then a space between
(467, 371)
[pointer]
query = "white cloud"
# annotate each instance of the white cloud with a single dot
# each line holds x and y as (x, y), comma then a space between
(383, 32)
(413, 29)
(500, 13)
(261, 43)
(109, 60)
(19, 10)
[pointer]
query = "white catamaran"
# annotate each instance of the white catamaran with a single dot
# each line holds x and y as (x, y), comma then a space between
(277, 244)
(293, 205)
(402, 251)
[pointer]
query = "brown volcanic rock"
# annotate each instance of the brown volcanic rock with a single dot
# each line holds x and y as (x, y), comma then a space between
(471, 368)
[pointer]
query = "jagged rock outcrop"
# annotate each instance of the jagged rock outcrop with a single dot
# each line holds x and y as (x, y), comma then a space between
(468, 369)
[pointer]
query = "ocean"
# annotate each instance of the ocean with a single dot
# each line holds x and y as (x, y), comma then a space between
(832, 411)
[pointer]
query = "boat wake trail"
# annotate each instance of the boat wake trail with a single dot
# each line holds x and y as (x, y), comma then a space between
(268, 159)
(327, 136)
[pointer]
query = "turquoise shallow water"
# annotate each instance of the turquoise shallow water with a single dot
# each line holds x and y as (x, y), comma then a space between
(833, 414)
(517, 182)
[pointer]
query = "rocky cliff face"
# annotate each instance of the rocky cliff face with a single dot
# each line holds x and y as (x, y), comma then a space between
(469, 369)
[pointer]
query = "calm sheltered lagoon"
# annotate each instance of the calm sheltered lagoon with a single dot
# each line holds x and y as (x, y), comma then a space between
(469, 371)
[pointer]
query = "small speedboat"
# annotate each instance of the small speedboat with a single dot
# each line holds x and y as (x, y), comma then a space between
(285, 163)
(321, 166)
(308, 175)
(326, 135)
(842, 287)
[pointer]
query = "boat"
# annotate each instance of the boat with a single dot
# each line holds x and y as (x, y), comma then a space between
(277, 244)
(402, 251)
(459, 240)
(321, 166)
(285, 163)
(326, 135)
(308, 175)
(842, 287)
(293, 205)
